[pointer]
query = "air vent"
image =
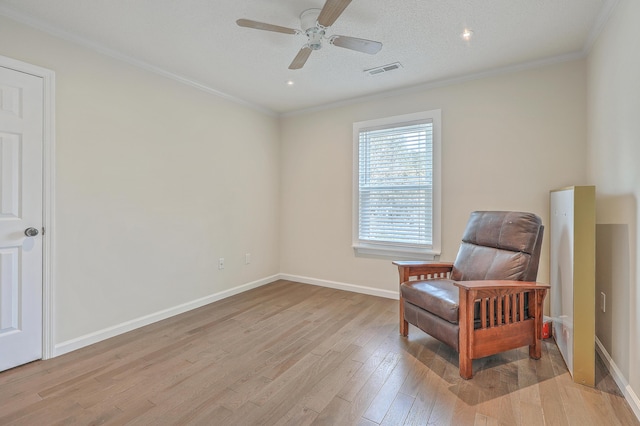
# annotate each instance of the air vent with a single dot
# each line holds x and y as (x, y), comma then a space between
(384, 68)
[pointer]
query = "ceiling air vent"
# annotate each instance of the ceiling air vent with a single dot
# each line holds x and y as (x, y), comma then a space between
(384, 68)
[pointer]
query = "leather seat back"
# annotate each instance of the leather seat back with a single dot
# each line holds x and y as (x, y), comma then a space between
(499, 246)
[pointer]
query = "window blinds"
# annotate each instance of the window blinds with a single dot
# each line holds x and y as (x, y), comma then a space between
(395, 184)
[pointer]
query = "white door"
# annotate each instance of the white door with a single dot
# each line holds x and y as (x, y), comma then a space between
(21, 145)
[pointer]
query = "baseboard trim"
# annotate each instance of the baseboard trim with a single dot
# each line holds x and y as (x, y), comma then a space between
(618, 377)
(388, 294)
(106, 333)
(97, 336)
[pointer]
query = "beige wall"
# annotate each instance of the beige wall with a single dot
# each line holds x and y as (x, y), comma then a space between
(613, 166)
(507, 140)
(155, 181)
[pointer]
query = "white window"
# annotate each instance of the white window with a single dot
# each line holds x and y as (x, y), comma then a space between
(397, 186)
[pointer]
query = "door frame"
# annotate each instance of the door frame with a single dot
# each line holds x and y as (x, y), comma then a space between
(48, 195)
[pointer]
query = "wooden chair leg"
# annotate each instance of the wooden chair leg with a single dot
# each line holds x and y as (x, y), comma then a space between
(465, 334)
(404, 328)
(466, 366)
(404, 325)
(535, 350)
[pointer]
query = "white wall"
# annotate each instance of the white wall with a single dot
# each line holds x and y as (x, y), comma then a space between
(155, 182)
(507, 140)
(613, 166)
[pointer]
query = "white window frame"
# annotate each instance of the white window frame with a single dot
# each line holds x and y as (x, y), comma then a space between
(390, 249)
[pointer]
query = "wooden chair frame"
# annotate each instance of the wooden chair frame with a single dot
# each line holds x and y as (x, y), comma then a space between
(503, 325)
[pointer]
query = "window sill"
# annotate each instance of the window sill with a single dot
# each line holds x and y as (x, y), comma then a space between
(395, 252)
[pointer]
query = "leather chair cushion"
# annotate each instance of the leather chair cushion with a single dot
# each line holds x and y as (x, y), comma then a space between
(486, 263)
(497, 245)
(433, 325)
(440, 297)
(513, 231)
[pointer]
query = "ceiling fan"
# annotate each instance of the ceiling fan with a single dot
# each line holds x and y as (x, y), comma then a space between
(314, 24)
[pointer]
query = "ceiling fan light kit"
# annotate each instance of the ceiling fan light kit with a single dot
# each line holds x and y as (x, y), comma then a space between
(314, 24)
(314, 32)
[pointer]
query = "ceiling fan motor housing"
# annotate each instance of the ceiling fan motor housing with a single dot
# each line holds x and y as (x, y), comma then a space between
(309, 19)
(309, 24)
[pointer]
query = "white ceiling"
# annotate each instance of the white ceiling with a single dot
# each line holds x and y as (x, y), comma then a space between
(199, 41)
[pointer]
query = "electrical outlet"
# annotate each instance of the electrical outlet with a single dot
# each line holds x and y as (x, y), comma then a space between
(247, 258)
(221, 263)
(603, 302)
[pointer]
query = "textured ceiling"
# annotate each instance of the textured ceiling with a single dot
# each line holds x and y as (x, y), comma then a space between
(199, 41)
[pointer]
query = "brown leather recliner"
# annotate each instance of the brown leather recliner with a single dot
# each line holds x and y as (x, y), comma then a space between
(487, 301)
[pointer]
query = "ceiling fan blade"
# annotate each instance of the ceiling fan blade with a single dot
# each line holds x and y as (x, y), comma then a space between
(300, 59)
(248, 23)
(358, 44)
(331, 11)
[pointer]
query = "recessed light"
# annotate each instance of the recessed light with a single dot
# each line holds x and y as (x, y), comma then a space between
(467, 34)
(290, 83)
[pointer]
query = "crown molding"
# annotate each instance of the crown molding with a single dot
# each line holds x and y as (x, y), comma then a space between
(96, 47)
(606, 11)
(603, 17)
(442, 83)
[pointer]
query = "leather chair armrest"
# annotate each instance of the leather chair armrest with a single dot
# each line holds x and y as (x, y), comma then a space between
(411, 268)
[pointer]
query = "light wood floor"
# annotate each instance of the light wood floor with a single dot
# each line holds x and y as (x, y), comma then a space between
(295, 354)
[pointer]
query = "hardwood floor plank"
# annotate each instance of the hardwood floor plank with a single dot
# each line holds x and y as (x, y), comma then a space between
(439, 399)
(482, 420)
(497, 404)
(378, 408)
(46, 411)
(379, 362)
(596, 407)
(551, 404)
(298, 416)
(307, 363)
(281, 402)
(129, 392)
(532, 414)
(424, 400)
(572, 401)
(362, 400)
(322, 393)
(337, 412)
(295, 354)
(210, 415)
(398, 411)
(464, 410)
(18, 402)
(286, 358)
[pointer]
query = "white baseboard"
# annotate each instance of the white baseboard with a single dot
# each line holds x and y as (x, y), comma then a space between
(106, 333)
(341, 286)
(97, 336)
(618, 377)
